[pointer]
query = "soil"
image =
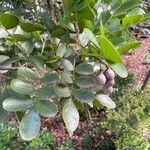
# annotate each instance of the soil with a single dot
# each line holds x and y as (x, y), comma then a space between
(135, 62)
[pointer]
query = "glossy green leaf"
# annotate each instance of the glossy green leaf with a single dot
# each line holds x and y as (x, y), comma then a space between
(46, 92)
(126, 47)
(67, 65)
(81, 4)
(84, 69)
(84, 95)
(84, 23)
(50, 78)
(27, 73)
(113, 24)
(61, 49)
(68, 6)
(105, 16)
(86, 13)
(70, 116)
(130, 20)
(84, 81)
(17, 104)
(17, 37)
(3, 58)
(62, 91)
(27, 47)
(127, 5)
(3, 33)
(22, 87)
(110, 53)
(48, 22)
(9, 20)
(106, 101)
(88, 34)
(58, 32)
(31, 27)
(68, 24)
(120, 70)
(30, 125)
(46, 108)
(38, 62)
(67, 76)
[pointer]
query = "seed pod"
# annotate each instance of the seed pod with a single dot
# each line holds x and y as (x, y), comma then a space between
(107, 90)
(109, 73)
(101, 79)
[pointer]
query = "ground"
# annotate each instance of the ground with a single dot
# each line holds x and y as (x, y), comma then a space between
(135, 61)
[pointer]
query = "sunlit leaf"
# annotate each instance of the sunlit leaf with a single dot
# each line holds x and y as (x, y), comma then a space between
(70, 116)
(30, 125)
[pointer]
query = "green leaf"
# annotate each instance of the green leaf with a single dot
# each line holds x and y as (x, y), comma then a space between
(62, 91)
(106, 101)
(46, 92)
(67, 65)
(130, 20)
(27, 47)
(126, 47)
(22, 87)
(84, 69)
(137, 11)
(86, 13)
(27, 73)
(127, 5)
(84, 95)
(84, 23)
(81, 4)
(48, 22)
(84, 81)
(67, 24)
(120, 70)
(113, 24)
(50, 78)
(17, 104)
(31, 27)
(58, 32)
(70, 116)
(145, 17)
(3, 33)
(61, 49)
(3, 58)
(67, 76)
(88, 34)
(17, 38)
(105, 16)
(109, 51)
(68, 6)
(38, 62)
(30, 125)
(9, 20)
(46, 108)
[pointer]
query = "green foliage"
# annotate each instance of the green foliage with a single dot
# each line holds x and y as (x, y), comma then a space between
(130, 121)
(9, 139)
(58, 57)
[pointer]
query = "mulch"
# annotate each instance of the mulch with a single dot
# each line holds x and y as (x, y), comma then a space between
(135, 62)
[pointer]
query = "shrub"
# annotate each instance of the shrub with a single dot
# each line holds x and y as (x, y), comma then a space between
(50, 59)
